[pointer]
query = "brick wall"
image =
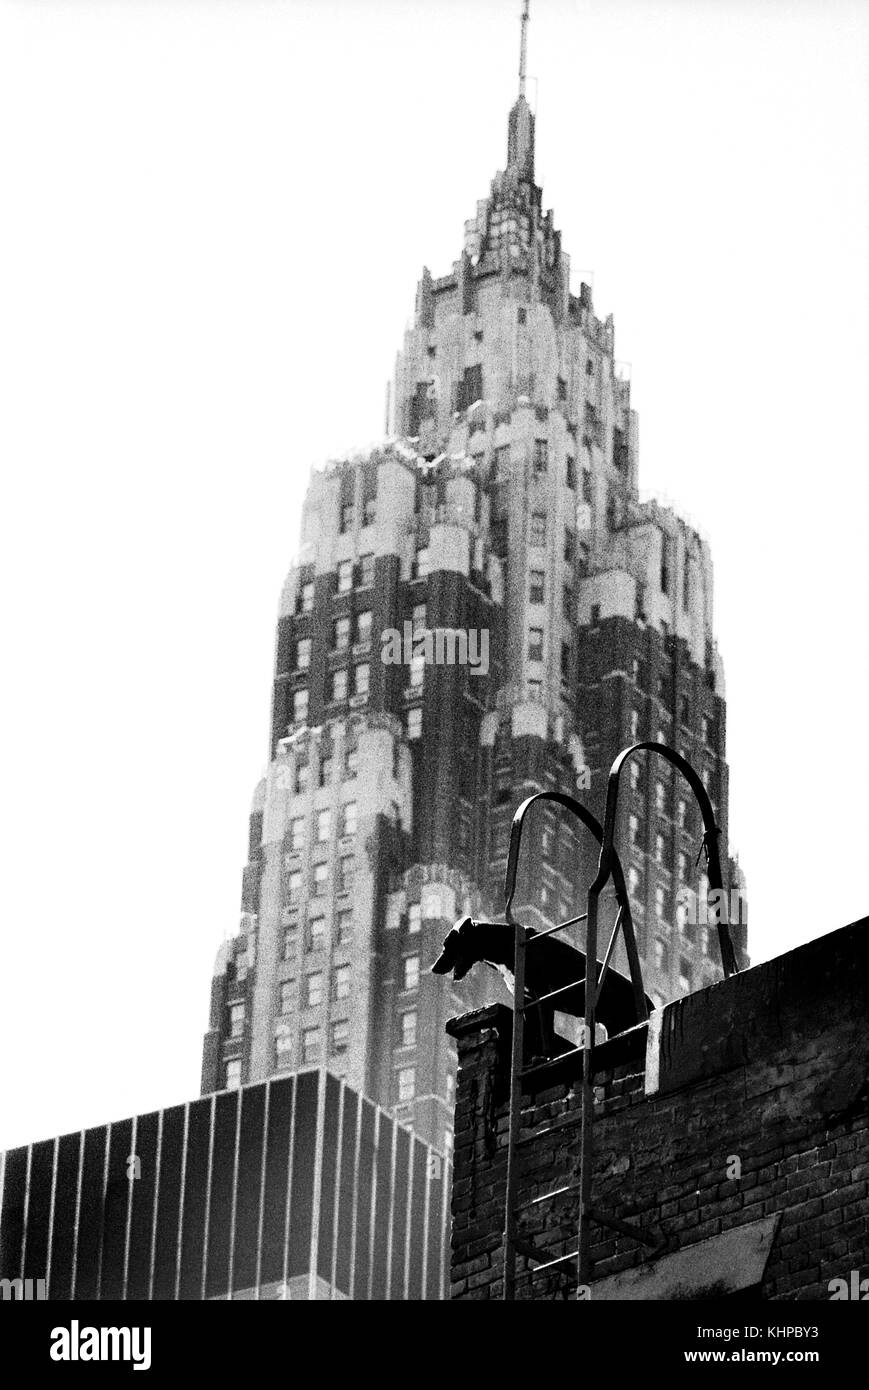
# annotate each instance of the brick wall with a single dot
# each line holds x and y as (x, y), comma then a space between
(733, 1129)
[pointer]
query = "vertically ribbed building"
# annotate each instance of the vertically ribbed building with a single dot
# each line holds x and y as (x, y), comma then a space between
(565, 619)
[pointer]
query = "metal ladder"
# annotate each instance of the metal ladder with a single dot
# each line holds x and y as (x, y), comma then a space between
(609, 866)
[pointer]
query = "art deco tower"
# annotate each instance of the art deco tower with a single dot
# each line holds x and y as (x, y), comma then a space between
(504, 503)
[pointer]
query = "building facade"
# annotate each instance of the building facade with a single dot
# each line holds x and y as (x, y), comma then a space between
(480, 609)
(294, 1188)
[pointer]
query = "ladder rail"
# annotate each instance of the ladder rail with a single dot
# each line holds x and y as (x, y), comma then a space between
(624, 922)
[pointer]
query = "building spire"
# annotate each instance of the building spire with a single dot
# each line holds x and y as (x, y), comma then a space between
(520, 134)
(523, 49)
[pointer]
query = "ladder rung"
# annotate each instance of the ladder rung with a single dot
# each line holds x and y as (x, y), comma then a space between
(547, 1196)
(553, 1061)
(544, 998)
(539, 935)
(551, 1264)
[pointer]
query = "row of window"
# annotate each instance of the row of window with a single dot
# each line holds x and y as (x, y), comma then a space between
(316, 934)
(342, 630)
(349, 575)
(345, 878)
(322, 827)
(347, 514)
(311, 1043)
(314, 991)
(635, 890)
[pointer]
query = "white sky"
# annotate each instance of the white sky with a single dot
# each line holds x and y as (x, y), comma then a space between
(214, 218)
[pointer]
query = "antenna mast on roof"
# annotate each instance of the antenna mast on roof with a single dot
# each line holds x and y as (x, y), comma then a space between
(523, 50)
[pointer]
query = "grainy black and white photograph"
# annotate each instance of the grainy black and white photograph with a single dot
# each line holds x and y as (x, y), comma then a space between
(436, 471)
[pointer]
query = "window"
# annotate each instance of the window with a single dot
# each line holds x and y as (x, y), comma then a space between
(339, 1037)
(661, 954)
(567, 602)
(286, 993)
(538, 529)
(635, 723)
(232, 1075)
(348, 826)
(361, 678)
(408, 1028)
(411, 972)
(406, 1084)
(306, 597)
(369, 511)
(326, 767)
(283, 1045)
(682, 813)
(417, 671)
(589, 367)
(236, 1020)
(338, 685)
(565, 661)
(348, 512)
(345, 576)
(635, 775)
(536, 586)
(344, 927)
(431, 905)
(341, 634)
(297, 834)
(324, 825)
(351, 762)
(634, 882)
(294, 886)
(660, 901)
(290, 937)
(541, 456)
(414, 917)
(684, 973)
(683, 866)
(633, 831)
(570, 472)
(366, 571)
(303, 776)
(562, 389)
(321, 879)
(346, 873)
(421, 567)
(535, 644)
(414, 723)
(418, 619)
(341, 982)
(363, 626)
(300, 706)
(316, 933)
(314, 990)
(569, 545)
(303, 653)
(660, 848)
(704, 729)
(310, 1046)
(660, 797)
(521, 315)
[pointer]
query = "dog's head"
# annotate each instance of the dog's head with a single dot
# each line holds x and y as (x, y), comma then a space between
(456, 955)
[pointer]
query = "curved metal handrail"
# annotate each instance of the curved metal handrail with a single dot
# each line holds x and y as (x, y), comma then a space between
(624, 917)
(711, 831)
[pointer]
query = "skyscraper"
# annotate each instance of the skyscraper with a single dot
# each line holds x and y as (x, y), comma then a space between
(479, 609)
